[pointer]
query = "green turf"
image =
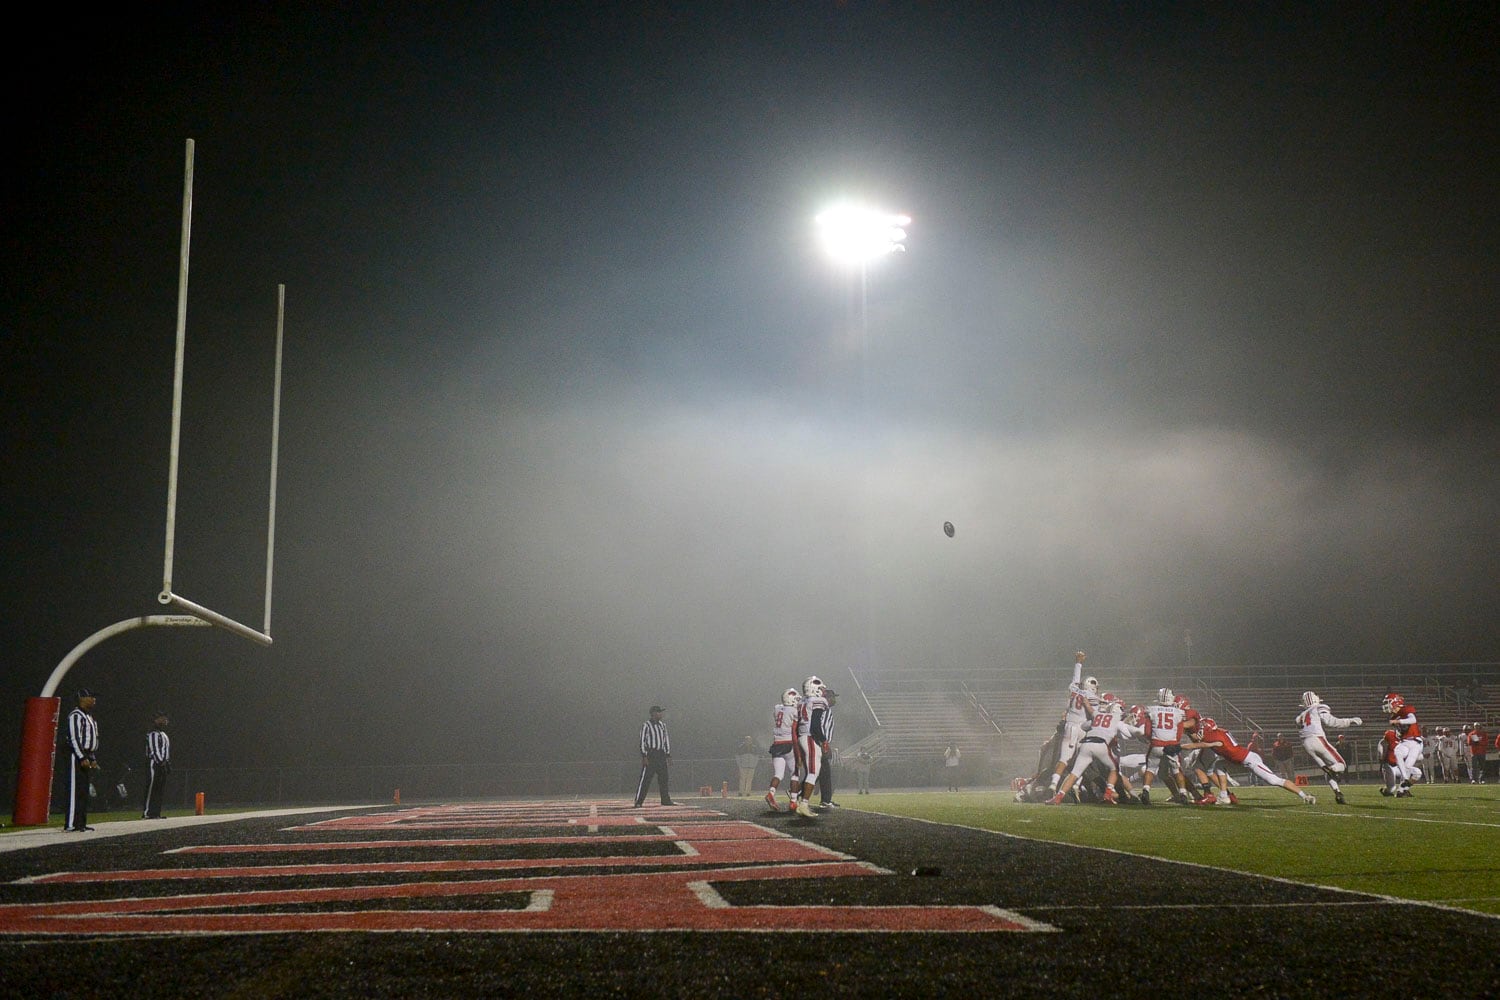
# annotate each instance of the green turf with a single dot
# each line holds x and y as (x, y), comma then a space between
(1437, 846)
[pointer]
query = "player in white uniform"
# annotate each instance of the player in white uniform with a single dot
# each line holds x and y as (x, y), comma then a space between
(783, 739)
(1101, 745)
(1083, 701)
(1164, 721)
(1311, 720)
(812, 742)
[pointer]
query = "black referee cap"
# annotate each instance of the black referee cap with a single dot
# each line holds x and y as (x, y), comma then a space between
(84, 693)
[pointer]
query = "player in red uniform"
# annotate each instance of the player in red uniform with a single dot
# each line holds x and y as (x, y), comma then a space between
(1409, 739)
(1390, 767)
(1212, 735)
(1479, 748)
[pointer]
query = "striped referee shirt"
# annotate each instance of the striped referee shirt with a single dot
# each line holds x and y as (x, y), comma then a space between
(654, 737)
(158, 747)
(83, 734)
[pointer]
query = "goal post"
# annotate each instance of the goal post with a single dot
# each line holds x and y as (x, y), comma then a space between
(40, 722)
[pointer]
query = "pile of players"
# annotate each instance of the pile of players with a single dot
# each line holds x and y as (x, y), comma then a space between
(801, 726)
(1191, 753)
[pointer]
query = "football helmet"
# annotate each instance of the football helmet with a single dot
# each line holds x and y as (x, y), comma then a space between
(1091, 684)
(813, 686)
(1164, 696)
(1181, 701)
(1137, 715)
(1207, 722)
(790, 697)
(1393, 703)
(1310, 698)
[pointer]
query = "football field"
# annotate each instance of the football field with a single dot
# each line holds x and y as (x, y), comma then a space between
(915, 894)
(1436, 847)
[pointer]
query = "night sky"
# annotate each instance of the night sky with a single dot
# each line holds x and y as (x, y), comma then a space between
(1195, 334)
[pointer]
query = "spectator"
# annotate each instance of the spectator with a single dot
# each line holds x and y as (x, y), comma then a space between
(747, 758)
(951, 758)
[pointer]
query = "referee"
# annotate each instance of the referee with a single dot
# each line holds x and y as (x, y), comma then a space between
(83, 742)
(656, 751)
(158, 764)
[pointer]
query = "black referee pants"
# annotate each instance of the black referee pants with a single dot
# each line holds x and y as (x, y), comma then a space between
(156, 785)
(78, 796)
(655, 766)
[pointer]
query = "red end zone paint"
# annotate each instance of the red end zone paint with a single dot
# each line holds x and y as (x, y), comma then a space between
(674, 892)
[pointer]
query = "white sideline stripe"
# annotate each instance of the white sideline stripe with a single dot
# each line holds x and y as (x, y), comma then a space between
(1430, 904)
(1410, 819)
(1377, 901)
(711, 899)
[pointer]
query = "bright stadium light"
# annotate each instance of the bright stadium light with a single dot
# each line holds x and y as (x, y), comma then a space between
(856, 234)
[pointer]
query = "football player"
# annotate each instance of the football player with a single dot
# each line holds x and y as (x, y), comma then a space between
(812, 743)
(1083, 701)
(1409, 740)
(1310, 721)
(1390, 766)
(1213, 735)
(1164, 727)
(1479, 748)
(783, 739)
(1100, 745)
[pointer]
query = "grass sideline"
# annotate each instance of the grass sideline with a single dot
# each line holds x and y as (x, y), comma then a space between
(1436, 847)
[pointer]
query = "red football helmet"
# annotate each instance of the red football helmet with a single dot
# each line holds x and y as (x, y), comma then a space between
(1393, 703)
(1208, 723)
(1181, 701)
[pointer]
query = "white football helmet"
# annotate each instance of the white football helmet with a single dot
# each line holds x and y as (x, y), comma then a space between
(1091, 684)
(790, 697)
(812, 687)
(1310, 698)
(1164, 696)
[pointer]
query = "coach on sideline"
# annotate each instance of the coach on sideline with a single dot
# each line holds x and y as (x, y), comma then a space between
(656, 751)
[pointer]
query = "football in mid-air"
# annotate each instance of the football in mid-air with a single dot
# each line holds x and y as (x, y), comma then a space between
(948, 528)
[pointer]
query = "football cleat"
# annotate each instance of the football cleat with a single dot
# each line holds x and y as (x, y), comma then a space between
(1309, 800)
(1210, 799)
(771, 801)
(1339, 798)
(1111, 797)
(1145, 796)
(1056, 800)
(1387, 792)
(803, 809)
(1234, 799)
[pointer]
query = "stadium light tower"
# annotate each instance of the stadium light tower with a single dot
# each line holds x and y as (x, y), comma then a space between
(853, 235)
